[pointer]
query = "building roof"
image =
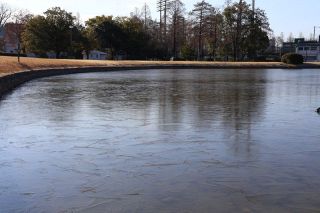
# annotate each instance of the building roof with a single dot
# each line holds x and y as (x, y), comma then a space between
(308, 44)
(300, 42)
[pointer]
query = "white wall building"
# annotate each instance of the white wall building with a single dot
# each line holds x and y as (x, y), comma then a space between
(310, 50)
(95, 55)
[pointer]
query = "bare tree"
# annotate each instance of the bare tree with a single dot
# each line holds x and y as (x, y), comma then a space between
(290, 38)
(238, 30)
(177, 25)
(5, 14)
(279, 42)
(20, 19)
(301, 35)
(146, 16)
(163, 8)
(215, 28)
(200, 13)
(227, 3)
(237, 20)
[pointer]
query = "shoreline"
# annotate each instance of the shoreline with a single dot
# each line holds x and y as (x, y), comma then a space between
(13, 74)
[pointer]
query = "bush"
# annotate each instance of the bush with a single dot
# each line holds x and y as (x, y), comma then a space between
(292, 58)
(12, 54)
(187, 53)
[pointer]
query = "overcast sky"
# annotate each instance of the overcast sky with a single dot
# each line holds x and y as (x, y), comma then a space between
(284, 15)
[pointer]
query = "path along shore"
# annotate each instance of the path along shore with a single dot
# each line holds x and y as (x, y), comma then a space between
(13, 74)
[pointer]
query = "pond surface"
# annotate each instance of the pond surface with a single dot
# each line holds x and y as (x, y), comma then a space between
(163, 141)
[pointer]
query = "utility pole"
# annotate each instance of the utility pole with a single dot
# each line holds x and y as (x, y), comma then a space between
(314, 32)
(254, 6)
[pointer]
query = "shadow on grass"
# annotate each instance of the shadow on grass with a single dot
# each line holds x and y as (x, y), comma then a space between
(25, 66)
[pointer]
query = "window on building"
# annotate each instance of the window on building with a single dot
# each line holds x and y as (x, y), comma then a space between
(300, 48)
(313, 48)
(306, 48)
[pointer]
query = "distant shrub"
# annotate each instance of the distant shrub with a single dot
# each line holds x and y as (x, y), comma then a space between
(260, 59)
(187, 53)
(12, 54)
(42, 55)
(292, 58)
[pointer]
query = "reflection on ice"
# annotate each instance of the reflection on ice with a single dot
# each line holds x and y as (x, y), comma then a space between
(162, 140)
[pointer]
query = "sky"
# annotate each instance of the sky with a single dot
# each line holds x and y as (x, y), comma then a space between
(287, 16)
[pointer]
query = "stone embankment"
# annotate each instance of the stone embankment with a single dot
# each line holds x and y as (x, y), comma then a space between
(13, 74)
(9, 82)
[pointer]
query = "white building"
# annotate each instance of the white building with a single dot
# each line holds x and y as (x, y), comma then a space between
(95, 55)
(310, 50)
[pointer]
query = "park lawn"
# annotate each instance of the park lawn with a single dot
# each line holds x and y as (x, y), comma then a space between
(10, 65)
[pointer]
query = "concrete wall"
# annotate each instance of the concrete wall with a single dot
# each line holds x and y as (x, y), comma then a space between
(10, 82)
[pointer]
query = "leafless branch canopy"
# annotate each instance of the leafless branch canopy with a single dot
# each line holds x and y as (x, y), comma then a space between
(5, 14)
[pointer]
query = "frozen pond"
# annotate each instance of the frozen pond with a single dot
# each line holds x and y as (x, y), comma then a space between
(163, 141)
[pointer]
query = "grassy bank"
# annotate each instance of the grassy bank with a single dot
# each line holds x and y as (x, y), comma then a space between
(9, 65)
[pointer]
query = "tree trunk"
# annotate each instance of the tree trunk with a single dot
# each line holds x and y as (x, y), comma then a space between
(174, 36)
(238, 31)
(200, 36)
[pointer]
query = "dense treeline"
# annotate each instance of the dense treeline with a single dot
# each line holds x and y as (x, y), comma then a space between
(236, 32)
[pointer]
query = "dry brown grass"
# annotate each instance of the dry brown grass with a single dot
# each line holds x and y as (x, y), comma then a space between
(9, 65)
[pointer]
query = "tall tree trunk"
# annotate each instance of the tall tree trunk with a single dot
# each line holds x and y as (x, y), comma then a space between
(174, 35)
(200, 36)
(214, 42)
(238, 31)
